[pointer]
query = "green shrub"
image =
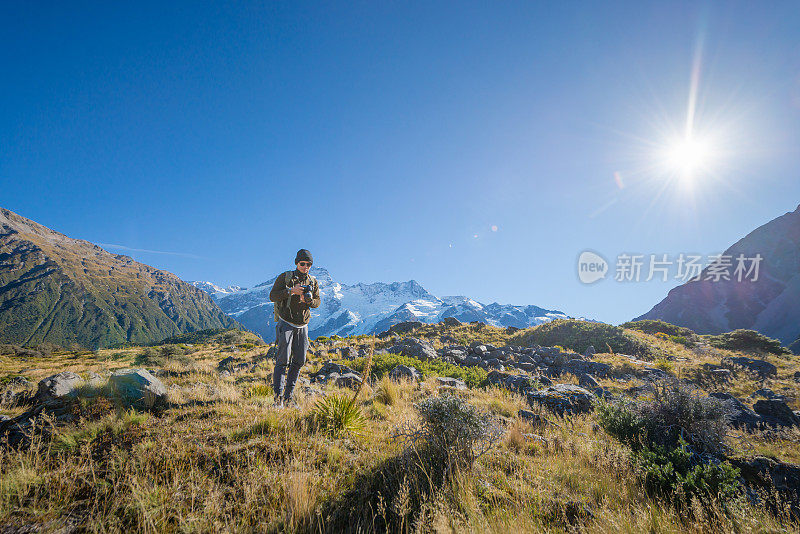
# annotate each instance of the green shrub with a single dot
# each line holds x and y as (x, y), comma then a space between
(579, 335)
(338, 415)
(649, 326)
(383, 363)
(748, 341)
(322, 339)
(450, 432)
(675, 411)
(621, 419)
(674, 474)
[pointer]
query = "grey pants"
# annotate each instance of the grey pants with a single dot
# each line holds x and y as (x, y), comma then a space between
(292, 348)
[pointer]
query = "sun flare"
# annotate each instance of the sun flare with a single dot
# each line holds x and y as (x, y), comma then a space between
(688, 157)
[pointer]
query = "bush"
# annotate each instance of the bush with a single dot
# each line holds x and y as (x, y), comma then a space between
(383, 363)
(578, 335)
(655, 327)
(673, 474)
(748, 341)
(337, 415)
(676, 411)
(451, 432)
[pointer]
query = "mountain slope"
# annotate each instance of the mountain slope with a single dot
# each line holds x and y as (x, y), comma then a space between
(771, 304)
(369, 308)
(63, 291)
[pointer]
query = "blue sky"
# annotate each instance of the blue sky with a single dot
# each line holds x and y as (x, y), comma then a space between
(391, 137)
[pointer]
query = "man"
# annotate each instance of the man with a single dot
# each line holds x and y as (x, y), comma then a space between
(292, 305)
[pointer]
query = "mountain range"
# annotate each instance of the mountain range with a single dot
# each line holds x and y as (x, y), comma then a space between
(769, 304)
(368, 308)
(64, 291)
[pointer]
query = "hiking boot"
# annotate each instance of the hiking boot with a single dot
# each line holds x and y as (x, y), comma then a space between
(290, 403)
(278, 403)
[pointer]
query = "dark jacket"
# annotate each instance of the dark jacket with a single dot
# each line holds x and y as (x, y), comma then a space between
(296, 312)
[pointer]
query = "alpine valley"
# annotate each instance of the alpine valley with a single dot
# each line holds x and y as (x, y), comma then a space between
(348, 310)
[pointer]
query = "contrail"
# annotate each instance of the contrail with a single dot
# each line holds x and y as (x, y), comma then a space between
(129, 249)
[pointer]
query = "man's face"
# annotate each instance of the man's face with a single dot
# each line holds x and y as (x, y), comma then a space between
(303, 266)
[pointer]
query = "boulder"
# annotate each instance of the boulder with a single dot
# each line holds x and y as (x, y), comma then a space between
(588, 381)
(589, 352)
(740, 416)
(60, 387)
(349, 380)
(763, 368)
(563, 399)
(404, 372)
(405, 327)
(581, 367)
(533, 418)
(771, 476)
(797, 376)
(768, 394)
(511, 329)
(451, 321)
(517, 383)
(415, 348)
(776, 413)
(138, 388)
(449, 382)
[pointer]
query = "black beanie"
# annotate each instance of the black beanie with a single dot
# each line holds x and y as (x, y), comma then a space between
(303, 255)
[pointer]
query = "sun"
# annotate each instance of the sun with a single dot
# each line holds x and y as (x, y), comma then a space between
(688, 157)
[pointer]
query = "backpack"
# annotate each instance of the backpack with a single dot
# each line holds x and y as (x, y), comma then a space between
(287, 282)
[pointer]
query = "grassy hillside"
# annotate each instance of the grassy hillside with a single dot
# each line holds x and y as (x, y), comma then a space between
(221, 458)
(64, 291)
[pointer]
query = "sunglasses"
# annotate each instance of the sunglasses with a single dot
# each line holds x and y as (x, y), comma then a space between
(304, 263)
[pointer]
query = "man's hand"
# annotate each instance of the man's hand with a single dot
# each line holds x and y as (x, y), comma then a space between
(297, 290)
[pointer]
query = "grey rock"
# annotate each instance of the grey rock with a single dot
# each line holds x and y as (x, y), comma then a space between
(588, 381)
(589, 352)
(768, 394)
(740, 416)
(404, 372)
(511, 329)
(62, 386)
(517, 383)
(776, 413)
(449, 382)
(451, 321)
(563, 399)
(763, 368)
(138, 388)
(581, 367)
(415, 348)
(531, 417)
(543, 380)
(349, 380)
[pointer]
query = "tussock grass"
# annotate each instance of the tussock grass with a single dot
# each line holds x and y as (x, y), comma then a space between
(221, 459)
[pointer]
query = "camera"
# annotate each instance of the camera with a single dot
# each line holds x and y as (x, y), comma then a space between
(307, 293)
(306, 289)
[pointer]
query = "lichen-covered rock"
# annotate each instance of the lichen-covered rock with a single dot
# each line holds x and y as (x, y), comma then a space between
(763, 368)
(138, 388)
(349, 380)
(517, 383)
(563, 399)
(404, 372)
(449, 382)
(588, 381)
(415, 348)
(62, 386)
(579, 367)
(739, 415)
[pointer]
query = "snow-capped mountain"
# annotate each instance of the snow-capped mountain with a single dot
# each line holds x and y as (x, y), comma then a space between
(369, 308)
(216, 291)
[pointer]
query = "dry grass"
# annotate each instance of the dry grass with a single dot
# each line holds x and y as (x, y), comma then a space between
(222, 459)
